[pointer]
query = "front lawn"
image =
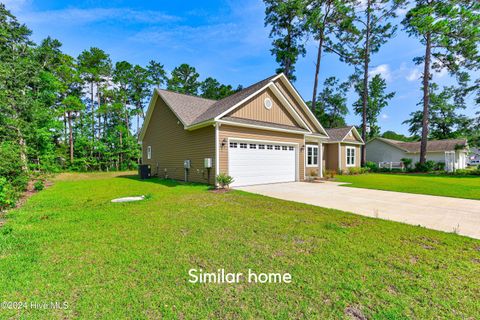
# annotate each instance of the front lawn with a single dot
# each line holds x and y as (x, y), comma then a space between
(438, 185)
(69, 243)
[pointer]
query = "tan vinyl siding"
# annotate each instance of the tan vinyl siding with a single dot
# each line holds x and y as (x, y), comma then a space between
(291, 99)
(172, 144)
(331, 156)
(227, 131)
(255, 110)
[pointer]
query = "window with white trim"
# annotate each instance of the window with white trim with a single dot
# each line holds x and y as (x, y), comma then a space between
(350, 152)
(261, 146)
(284, 147)
(233, 144)
(312, 156)
(269, 147)
(277, 147)
(253, 146)
(243, 146)
(149, 152)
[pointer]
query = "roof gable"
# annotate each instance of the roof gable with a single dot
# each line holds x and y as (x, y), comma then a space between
(341, 134)
(254, 109)
(195, 112)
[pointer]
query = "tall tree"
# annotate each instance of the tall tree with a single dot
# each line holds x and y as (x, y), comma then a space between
(287, 31)
(445, 122)
(73, 105)
(210, 88)
(326, 20)
(139, 91)
(449, 30)
(332, 101)
(156, 73)
(94, 66)
(17, 70)
(377, 100)
(184, 79)
(372, 28)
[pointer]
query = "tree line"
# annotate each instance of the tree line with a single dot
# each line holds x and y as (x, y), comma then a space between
(59, 112)
(355, 30)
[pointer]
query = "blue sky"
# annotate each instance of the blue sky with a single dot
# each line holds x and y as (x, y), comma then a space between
(221, 38)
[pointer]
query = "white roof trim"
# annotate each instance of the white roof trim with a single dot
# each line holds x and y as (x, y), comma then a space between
(254, 126)
(292, 89)
(294, 113)
(151, 107)
(146, 121)
(278, 94)
(355, 132)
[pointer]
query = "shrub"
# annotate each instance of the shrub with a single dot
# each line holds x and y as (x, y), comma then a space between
(224, 180)
(462, 172)
(372, 166)
(428, 166)
(407, 163)
(330, 174)
(353, 171)
(440, 166)
(7, 194)
(38, 185)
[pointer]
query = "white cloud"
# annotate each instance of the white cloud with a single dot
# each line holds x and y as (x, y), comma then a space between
(413, 75)
(74, 16)
(15, 5)
(383, 70)
(384, 116)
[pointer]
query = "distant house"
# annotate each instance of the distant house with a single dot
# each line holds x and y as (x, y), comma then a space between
(452, 152)
(473, 158)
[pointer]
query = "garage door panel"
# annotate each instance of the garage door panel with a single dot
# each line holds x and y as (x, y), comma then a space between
(249, 166)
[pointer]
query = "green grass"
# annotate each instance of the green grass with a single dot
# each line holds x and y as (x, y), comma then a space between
(131, 260)
(438, 185)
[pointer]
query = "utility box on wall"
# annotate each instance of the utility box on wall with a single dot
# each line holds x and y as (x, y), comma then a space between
(186, 164)
(207, 163)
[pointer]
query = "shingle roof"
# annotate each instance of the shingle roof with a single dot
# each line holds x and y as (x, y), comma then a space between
(338, 134)
(226, 103)
(263, 123)
(432, 145)
(186, 107)
(193, 110)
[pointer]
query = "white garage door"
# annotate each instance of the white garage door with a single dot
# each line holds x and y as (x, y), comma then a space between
(252, 162)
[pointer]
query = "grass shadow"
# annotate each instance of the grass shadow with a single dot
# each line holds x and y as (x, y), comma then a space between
(165, 182)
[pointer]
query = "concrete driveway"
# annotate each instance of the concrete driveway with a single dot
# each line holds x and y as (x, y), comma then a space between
(440, 213)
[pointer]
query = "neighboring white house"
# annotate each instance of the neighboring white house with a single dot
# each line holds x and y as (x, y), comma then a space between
(473, 158)
(452, 152)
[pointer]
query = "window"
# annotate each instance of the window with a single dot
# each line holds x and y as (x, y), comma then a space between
(243, 146)
(233, 144)
(350, 156)
(284, 148)
(261, 146)
(149, 152)
(269, 147)
(290, 148)
(312, 156)
(253, 146)
(277, 147)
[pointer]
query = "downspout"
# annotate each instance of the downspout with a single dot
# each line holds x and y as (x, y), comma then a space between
(320, 161)
(217, 152)
(339, 157)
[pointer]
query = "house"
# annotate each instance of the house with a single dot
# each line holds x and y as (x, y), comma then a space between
(473, 158)
(264, 133)
(452, 152)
